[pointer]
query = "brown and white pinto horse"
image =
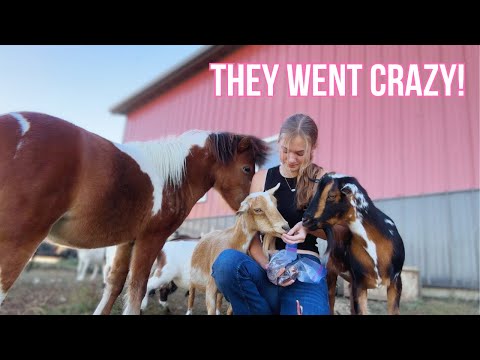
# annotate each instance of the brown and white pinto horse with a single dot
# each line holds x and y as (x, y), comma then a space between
(84, 191)
(374, 254)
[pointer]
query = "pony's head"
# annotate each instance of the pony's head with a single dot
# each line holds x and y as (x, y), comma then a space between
(235, 158)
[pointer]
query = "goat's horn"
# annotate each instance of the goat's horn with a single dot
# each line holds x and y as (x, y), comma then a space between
(275, 188)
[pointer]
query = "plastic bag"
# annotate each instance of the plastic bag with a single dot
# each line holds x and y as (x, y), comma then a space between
(281, 260)
(309, 270)
(303, 269)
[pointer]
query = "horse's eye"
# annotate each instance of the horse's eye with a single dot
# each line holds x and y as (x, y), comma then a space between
(257, 211)
(246, 169)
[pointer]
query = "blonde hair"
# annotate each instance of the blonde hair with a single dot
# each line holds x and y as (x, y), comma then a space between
(303, 126)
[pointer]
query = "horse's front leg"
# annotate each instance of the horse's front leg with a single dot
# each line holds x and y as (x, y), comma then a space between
(144, 253)
(15, 251)
(116, 279)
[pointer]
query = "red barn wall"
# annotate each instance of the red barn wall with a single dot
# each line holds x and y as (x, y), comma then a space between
(396, 146)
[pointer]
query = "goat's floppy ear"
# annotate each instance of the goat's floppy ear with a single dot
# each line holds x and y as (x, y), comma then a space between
(243, 207)
(272, 190)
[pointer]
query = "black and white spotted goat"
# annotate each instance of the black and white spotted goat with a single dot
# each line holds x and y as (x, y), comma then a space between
(375, 253)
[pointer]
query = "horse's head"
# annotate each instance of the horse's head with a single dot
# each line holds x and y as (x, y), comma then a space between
(235, 158)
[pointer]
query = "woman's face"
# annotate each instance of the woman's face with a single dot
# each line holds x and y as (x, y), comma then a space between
(293, 156)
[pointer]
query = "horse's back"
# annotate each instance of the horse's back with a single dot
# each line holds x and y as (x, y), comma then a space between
(68, 181)
(32, 143)
(39, 155)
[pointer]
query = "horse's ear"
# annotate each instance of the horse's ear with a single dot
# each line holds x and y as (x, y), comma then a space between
(272, 190)
(244, 144)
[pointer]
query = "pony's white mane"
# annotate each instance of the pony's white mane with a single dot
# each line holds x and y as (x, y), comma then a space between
(164, 160)
(168, 156)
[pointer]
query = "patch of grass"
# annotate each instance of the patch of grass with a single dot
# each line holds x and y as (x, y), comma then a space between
(80, 301)
(54, 263)
(430, 306)
(69, 263)
(51, 289)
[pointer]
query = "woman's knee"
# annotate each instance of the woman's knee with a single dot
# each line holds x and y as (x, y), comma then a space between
(225, 267)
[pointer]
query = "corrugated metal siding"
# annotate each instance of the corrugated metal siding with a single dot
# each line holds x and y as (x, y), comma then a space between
(441, 236)
(395, 146)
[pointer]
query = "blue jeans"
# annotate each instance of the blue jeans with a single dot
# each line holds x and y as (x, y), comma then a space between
(245, 284)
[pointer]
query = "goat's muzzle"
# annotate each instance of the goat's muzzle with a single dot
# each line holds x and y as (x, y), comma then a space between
(309, 222)
(286, 228)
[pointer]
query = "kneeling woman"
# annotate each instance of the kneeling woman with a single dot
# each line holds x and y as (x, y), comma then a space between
(242, 278)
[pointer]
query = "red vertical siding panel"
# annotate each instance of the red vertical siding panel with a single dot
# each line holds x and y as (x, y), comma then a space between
(355, 116)
(472, 104)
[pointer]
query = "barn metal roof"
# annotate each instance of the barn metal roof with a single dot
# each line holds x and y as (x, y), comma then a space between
(178, 74)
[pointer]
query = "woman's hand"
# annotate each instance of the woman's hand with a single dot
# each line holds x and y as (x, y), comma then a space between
(296, 235)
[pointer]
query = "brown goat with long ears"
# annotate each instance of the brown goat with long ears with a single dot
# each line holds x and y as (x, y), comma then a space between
(257, 213)
(374, 255)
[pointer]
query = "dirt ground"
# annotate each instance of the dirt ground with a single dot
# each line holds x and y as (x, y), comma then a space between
(53, 290)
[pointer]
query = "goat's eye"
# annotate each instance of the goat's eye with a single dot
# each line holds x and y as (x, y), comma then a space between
(246, 169)
(331, 197)
(257, 211)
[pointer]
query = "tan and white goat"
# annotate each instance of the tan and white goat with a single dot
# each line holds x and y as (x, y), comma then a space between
(257, 213)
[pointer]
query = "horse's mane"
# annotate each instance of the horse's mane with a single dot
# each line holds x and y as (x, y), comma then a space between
(224, 146)
(170, 154)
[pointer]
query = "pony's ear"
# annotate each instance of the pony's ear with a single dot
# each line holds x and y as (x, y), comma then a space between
(244, 206)
(272, 190)
(244, 144)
